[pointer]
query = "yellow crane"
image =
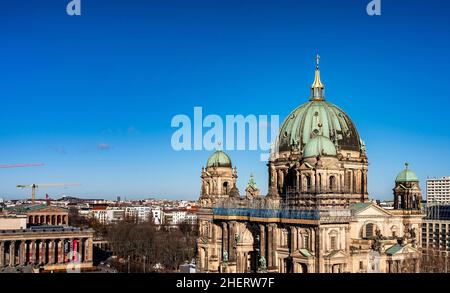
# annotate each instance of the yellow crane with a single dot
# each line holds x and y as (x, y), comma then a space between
(44, 185)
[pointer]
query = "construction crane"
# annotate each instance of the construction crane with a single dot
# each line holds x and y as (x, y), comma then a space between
(44, 185)
(20, 165)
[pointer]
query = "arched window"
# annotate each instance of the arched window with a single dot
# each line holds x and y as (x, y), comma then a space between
(225, 187)
(394, 231)
(334, 245)
(369, 230)
(332, 183)
(333, 242)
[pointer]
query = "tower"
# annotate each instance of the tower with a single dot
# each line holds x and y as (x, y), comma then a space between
(218, 178)
(252, 191)
(407, 193)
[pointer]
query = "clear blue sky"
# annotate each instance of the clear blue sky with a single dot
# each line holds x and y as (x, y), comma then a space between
(93, 96)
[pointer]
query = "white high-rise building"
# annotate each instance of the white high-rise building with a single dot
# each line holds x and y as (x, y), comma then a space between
(438, 190)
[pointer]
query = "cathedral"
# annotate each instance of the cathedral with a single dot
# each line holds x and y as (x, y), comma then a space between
(316, 216)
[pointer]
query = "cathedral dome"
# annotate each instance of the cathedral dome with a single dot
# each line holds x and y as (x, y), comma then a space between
(319, 146)
(407, 175)
(315, 117)
(219, 159)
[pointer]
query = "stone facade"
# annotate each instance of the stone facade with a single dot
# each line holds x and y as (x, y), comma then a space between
(47, 242)
(51, 249)
(49, 216)
(316, 217)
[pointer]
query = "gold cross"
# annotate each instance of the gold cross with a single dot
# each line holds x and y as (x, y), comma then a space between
(317, 61)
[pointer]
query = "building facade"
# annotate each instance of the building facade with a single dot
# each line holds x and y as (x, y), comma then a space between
(39, 236)
(438, 190)
(436, 229)
(316, 216)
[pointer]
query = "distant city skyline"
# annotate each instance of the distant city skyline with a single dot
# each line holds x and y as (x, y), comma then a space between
(92, 96)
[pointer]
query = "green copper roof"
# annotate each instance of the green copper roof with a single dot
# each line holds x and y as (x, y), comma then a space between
(218, 159)
(407, 175)
(360, 206)
(394, 249)
(319, 146)
(305, 252)
(318, 117)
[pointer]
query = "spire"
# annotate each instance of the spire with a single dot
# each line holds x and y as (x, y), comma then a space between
(317, 88)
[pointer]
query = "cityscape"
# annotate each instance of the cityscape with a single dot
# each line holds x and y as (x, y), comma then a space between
(316, 218)
(216, 138)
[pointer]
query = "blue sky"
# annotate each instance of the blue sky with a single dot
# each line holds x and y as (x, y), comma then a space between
(92, 96)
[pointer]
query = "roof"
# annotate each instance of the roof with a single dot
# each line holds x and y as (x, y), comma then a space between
(407, 175)
(218, 159)
(394, 249)
(318, 146)
(305, 252)
(318, 117)
(26, 208)
(360, 206)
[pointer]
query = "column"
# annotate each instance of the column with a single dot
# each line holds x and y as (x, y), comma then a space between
(224, 239)
(293, 244)
(12, 253)
(22, 252)
(269, 245)
(61, 251)
(81, 244)
(2, 253)
(77, 253)
(232, 231)
(69, 256)
(214, 232)
(85, 250)
(262, 240)
(272, 244)
(42, 252)
(89, 249)
(51, 252)
(318, 249)
(32, 252)
(275, 244)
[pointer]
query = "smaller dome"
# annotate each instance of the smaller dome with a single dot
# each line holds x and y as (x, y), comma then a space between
(407, 175)
(319, 146)
(218, 159)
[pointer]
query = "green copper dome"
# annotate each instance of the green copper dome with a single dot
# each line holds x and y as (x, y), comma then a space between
(407, 175)
(319, 146)
(218, 159)
(318, 117)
